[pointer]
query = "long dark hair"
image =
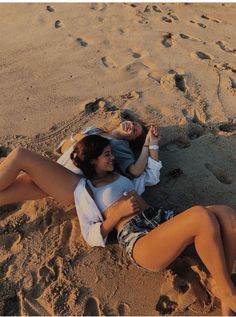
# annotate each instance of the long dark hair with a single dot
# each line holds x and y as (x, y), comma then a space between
(86, 150)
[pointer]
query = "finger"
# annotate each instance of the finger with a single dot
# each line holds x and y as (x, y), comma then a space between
(136, 209)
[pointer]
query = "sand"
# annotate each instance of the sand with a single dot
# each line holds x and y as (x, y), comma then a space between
(172, 64)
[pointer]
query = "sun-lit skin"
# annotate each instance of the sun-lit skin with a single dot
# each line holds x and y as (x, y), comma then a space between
(128, 130)
(105, 162)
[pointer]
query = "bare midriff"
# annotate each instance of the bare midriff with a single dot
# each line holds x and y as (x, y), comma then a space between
(142, 206)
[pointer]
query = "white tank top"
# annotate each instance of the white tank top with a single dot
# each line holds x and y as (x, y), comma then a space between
(106, 195)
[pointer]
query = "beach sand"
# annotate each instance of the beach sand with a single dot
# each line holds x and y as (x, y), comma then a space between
(172, 64)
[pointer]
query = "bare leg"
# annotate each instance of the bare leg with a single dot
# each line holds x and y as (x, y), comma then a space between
(21, 190)
(162, 245)
(226, 216)
(50, 177)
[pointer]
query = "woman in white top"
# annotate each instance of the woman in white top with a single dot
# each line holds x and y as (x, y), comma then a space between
(154, 237)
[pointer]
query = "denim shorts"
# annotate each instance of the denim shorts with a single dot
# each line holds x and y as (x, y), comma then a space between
(140, 225)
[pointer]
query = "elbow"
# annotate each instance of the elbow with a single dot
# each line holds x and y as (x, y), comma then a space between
(134, 171)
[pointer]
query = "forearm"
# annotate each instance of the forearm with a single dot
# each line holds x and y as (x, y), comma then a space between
(121, 209)
(138, 167)
(154, 154)
(108, 225)
(112, 216)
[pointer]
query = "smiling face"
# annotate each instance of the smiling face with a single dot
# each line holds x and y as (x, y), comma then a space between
(105, 162)
(130, 130)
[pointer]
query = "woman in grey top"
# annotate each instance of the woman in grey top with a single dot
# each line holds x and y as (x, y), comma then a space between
(126, 137)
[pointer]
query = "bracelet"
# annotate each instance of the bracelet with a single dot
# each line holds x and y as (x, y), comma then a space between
(145, 145)
(154, 147)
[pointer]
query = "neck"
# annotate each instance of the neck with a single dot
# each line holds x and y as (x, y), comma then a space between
(114, 133)
(101, 174)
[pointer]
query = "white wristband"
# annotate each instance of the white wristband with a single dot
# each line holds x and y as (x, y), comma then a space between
(154, 147)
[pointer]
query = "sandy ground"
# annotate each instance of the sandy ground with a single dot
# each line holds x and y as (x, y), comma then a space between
(174, 65)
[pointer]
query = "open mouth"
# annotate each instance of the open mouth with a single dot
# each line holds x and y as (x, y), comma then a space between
(127, 127)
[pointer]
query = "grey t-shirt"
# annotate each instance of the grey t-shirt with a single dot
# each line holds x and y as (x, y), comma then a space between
(124, 156)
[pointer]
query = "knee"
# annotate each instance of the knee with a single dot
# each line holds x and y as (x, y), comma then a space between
(205, 218)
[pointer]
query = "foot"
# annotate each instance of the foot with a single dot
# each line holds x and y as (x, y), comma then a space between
(226, 310)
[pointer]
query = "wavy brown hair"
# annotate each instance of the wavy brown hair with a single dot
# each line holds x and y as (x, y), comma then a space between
(86, 150)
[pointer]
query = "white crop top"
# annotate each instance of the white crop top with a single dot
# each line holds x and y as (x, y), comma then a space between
(106, 195)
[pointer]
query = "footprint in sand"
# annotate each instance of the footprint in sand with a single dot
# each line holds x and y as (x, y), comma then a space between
(65, 238)
(147, 9)
(184, 284)
(156, 9)
(219, 173)
(188, 37)
(202, 25)
(50, 9)
(165, 306)
(6, 265)
(58, 24)
(136, 55)
(173, 16)
(203, 55)
(81, 42)
(108, 62)
(233, 83)
(123, 309)
(47, 274)
(184, 36)
(136, 68)
(204, 16)
(175, 145)
(227, 127)
(167, 19)
(11, 306)
(32, 307)
(225, 48)
(195, 132)
(168, 40)
(92, 307)
(180, 82)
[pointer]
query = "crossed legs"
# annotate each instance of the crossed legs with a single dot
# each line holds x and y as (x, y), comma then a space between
(198, 225)
(41, 178)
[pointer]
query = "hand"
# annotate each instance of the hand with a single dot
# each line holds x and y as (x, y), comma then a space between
(125, 206)
(131, 206)
(155, 136)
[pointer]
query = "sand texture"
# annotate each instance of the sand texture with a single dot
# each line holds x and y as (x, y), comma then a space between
(68, 66)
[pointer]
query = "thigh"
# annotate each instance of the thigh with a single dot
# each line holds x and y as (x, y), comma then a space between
(225, 215)
(161, 246)
(52, 178)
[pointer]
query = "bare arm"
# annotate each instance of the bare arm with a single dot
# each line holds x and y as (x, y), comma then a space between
(152, 138)
(138, 167)
(126, 206)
